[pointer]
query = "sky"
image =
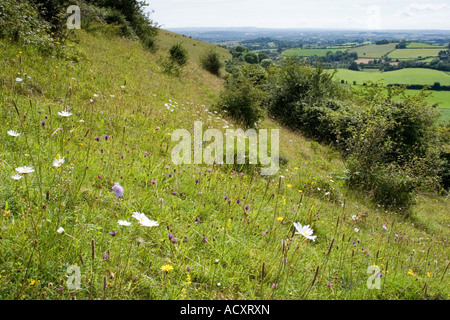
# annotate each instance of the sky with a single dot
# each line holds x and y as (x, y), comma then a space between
(332, 14)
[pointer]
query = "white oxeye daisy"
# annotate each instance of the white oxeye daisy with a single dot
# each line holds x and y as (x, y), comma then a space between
(13, 133)
(61, 230)
(356, 230)
(24, 170)
(64, 114)
(17, 177)
(144, 221)
(124, 223)
(19, 79)
(58, 162)
(354, 217)
(305, 231)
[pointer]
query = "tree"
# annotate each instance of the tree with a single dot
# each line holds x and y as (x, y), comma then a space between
(353, 66)
(251, 57)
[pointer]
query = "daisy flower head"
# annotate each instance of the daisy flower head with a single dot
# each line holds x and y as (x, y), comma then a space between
(24, 170)
(64, 114)
(124, 223)
(305, 231)
(13, 133)
(17, 177)
(354, 217)
(60, 230)
(144, 221)
(58, 162)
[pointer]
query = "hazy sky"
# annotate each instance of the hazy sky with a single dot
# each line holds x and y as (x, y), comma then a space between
(348, 14)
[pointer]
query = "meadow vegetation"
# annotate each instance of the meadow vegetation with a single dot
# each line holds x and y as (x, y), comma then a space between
(88, 180)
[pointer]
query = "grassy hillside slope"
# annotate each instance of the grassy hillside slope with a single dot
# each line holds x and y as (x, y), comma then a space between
(223, 233)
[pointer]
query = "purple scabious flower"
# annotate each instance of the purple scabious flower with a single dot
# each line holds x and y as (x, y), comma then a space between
(238, 201)
(196, 220)
(170, 236)
(97, 138)
(197, 181)
(170, 175)
(204, 239)
(246, 208)
(118, 189)
(43, 123)
(107, 137)
(153, 181)
(105, 257)
(113, 233)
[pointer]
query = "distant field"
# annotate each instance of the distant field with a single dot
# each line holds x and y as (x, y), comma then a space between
(418, 45)
(309, 52)
(442, 99)
(409, 54)
(403, 76)
(373, 50)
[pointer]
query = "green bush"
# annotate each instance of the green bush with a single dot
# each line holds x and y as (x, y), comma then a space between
(211, 62)
(20, 21)
(300, 96)
(178, 54)
(243, 94)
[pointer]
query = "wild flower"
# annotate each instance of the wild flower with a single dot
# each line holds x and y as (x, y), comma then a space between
(113, 234)
(144, 221)
(13, 133)
(196, 220)
(246, 208)
(60, 230)
(24, 170)
(17, 177)
(64, 114)
(118, 189)
(305, 231)
(124, 223)
(166, 268)
(58, 162)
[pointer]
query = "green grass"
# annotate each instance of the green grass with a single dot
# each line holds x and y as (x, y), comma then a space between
(411, 54)
(373, 51)
(403, 76)
(419, 45)
(308, 52)
(442, 100)
(240, 249)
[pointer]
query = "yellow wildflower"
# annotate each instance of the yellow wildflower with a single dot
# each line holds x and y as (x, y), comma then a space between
(166, 268)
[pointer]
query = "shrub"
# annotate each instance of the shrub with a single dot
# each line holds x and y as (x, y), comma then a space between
(211, 62)
(178, 54)
(300, 96)
(243, 93)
